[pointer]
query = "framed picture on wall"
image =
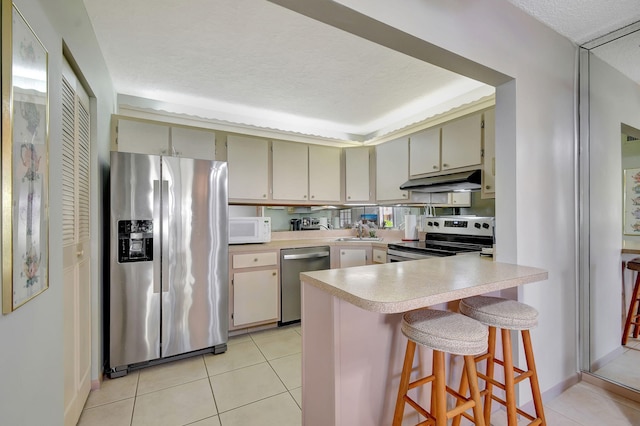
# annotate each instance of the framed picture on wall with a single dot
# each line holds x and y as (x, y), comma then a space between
(631, 207)
(25, 189)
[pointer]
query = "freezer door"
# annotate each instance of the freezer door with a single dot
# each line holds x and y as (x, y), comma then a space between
(134, 285)
(195, 273)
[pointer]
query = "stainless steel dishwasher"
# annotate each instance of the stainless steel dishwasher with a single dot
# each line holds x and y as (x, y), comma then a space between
(292, 263)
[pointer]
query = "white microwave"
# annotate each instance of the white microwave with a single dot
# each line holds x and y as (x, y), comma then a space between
(247, 230)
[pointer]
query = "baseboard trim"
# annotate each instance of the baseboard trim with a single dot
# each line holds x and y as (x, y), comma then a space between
(612, 387)
(602, 361)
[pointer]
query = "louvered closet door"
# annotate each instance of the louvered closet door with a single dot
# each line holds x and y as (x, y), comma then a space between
(76, 245)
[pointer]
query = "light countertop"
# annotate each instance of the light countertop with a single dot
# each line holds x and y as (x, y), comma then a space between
(403, 286)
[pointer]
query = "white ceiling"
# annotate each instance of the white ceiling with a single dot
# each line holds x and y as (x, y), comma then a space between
(256, 63)
(584, 21)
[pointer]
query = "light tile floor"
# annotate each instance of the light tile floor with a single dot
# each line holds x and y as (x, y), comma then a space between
(258, 381)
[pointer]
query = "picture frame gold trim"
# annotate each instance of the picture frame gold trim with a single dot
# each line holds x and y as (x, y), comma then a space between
(24, 161)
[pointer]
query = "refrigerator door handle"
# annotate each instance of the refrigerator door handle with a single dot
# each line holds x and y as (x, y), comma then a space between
(165, 236)
(156, 236)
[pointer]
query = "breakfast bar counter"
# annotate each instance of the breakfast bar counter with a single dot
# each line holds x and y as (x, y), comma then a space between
(352, 346)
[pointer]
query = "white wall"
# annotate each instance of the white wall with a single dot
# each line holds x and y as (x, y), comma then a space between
(31, 388)
(614, 99)
(535, 198)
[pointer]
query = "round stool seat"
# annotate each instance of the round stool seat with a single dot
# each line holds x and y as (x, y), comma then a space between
(445, 331)
(500, 313)
(634, 264)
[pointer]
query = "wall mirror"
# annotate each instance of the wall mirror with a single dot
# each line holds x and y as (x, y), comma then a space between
(609, 160)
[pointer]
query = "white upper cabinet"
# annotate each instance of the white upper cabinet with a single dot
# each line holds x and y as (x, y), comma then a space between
(424, 155)
(248, 162)
(142, 137)
(489, 158)
(357, 174)
(193, 143)
(324, 173)
(392, 169)
(147, 137)
(462, 142)
(290, 171)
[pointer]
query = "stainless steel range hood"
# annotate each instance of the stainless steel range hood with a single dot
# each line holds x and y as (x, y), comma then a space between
(462, 181)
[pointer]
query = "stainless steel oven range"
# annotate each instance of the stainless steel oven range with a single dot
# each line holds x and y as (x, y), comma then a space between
(446, 236)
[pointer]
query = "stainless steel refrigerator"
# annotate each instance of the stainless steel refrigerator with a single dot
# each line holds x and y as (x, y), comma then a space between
(168, 285)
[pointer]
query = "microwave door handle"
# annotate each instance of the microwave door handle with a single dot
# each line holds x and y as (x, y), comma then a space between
(165, 236)
(156, 237)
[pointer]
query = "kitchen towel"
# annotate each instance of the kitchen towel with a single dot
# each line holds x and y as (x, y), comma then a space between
(410, 230)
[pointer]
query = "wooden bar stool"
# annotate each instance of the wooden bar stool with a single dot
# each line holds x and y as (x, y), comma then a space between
(507, 315)
(633, 314)
(449, 332)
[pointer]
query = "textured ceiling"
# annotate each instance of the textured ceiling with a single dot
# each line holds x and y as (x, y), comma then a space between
(256, 63)
(584, 21)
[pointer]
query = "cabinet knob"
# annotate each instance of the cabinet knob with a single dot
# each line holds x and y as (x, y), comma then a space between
(255, 260)
(304, 196)
(445, 165)
(313, 196)
(80, 253)
(264, 195)
(435, 167)
(404, 195)
(487, 187)
(349, 197)
(273, 274)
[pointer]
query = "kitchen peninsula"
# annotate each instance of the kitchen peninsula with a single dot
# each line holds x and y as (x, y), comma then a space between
(352, 346)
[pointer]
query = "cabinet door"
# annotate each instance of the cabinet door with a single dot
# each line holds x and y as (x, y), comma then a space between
(290, 171)
(379, 256)
(424, 152)
(392, 169)
(255, 296)
(357, 174)
(460, 199)
(193, 143)
(248, 161)
(324, 173)
(461, 143)
(142, 137)
(489, 157)
(352, 257)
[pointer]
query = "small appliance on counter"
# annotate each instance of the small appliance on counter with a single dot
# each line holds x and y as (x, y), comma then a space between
(310, 223)
(296, 225)
(249, 230)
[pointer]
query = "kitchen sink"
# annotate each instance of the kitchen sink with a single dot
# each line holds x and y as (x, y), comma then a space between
(356, 239)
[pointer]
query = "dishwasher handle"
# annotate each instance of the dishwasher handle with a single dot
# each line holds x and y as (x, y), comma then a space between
(306, 255)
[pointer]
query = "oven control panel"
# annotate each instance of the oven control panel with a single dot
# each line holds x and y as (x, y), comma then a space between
(463, 225)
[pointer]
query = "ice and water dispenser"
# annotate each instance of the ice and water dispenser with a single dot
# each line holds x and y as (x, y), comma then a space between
(135, 241)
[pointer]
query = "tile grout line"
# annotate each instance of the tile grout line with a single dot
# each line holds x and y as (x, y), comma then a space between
(213, 394)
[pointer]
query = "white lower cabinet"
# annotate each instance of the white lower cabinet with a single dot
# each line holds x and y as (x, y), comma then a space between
(379, 256)
(255, 289)
(255, 297)
(353, 257)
